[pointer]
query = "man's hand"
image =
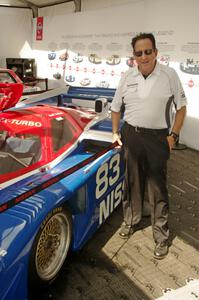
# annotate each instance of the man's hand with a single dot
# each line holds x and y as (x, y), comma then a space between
(171, 142)
(116, 138)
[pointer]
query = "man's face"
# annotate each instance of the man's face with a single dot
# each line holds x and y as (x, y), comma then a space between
(145, 56)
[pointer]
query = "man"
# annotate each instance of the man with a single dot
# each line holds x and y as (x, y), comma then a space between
(147, 93)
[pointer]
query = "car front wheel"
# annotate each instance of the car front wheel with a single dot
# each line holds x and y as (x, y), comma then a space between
(50, 247)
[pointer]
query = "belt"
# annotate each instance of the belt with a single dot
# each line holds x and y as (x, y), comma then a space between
(163, 131)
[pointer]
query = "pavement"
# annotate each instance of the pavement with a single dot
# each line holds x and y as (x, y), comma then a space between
(110, 268)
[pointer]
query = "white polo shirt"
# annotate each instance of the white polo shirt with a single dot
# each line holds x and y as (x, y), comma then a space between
(148, 102)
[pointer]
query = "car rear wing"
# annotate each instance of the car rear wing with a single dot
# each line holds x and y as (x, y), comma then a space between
(96, 98)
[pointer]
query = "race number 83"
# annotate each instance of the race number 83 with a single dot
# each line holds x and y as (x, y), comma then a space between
(107, 175)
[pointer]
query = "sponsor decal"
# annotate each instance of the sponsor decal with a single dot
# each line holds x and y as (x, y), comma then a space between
(21, 122)
(107, 175)
(132, 85)
(112, 200)
(182, 94)
(56, 114)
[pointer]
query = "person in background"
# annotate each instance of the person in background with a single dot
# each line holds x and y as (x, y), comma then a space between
(148, 93)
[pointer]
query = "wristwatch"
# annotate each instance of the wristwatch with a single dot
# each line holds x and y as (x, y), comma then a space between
(174, 135)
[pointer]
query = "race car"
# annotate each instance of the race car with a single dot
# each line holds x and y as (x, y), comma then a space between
(60, 179)
(85, 81)
(70, 78)
(190, 66)
(113, 60)
(8, 76)
(78, 58)
(102, 84)
(94, 58)
(52, 55)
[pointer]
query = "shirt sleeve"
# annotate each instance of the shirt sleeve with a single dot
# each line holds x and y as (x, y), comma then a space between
(178, 91)
(118, 97)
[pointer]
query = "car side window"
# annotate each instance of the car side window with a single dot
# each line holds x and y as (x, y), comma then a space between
(62, 133)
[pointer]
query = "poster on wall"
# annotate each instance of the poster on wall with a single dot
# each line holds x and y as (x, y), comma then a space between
(97, 54)
(98, 63)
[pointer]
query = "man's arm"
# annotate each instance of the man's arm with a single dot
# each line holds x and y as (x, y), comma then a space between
(115, 116)
(178, 122)
(179, 119)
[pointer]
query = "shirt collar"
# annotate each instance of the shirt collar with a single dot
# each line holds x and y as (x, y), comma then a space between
(156, 70)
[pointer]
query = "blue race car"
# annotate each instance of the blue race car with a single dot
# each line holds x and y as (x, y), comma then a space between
(60, 179)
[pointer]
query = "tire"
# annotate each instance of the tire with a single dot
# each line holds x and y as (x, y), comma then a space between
(50, 247)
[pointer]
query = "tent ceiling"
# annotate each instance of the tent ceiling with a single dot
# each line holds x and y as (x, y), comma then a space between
(43, 3)
(36, 3)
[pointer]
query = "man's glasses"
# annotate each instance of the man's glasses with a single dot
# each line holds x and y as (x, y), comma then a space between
(146, 52)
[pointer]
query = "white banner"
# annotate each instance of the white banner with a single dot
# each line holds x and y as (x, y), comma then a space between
(93, 48)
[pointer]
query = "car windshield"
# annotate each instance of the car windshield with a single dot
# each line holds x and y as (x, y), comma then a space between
(19, 151)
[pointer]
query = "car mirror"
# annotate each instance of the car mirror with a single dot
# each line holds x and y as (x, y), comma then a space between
(101, 105)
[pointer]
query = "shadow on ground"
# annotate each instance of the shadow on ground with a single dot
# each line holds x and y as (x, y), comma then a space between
(183, 179)
(90, 274)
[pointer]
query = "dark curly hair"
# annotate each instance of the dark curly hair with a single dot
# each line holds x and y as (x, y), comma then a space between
(141, 36)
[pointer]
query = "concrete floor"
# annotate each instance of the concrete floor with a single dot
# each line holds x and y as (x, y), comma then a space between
(111, 268)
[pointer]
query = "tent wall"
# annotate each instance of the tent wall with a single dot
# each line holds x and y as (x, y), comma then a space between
(16, 33)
